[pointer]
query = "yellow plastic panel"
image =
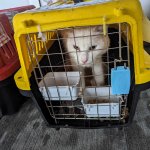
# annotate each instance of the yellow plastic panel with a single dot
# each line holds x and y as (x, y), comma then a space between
(114, 11)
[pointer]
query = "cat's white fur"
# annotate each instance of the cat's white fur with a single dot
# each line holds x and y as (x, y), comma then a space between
(84, 38)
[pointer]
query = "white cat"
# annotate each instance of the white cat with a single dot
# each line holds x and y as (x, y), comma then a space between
(85, 47)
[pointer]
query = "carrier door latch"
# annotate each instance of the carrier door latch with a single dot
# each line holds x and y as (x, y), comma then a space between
(40, 34)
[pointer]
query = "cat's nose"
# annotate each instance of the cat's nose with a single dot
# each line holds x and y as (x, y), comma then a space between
(84, 59)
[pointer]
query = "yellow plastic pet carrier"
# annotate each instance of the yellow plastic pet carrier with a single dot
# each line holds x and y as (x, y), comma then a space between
(84, 64)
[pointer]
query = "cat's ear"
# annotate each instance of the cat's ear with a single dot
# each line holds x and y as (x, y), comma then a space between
(62, 33)
(66, 33)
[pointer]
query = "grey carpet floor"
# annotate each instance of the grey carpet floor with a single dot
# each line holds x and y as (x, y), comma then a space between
(27, 131)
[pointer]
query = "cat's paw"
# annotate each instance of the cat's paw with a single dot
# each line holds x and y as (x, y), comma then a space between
(99, 81)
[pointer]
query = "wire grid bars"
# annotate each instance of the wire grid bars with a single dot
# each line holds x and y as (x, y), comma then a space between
(69, 81)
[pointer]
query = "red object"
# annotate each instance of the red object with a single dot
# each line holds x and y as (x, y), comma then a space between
(9, 62)
(12, 11)
(19, 9)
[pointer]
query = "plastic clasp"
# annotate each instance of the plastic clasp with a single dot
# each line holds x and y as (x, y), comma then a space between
(40, 34)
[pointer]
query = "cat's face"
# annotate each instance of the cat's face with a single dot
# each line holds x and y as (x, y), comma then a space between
(86, 45)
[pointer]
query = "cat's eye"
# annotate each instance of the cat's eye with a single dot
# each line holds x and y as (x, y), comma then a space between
(92, 47)
(76, 47)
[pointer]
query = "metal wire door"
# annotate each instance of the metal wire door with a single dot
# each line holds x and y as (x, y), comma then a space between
(61, 85)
